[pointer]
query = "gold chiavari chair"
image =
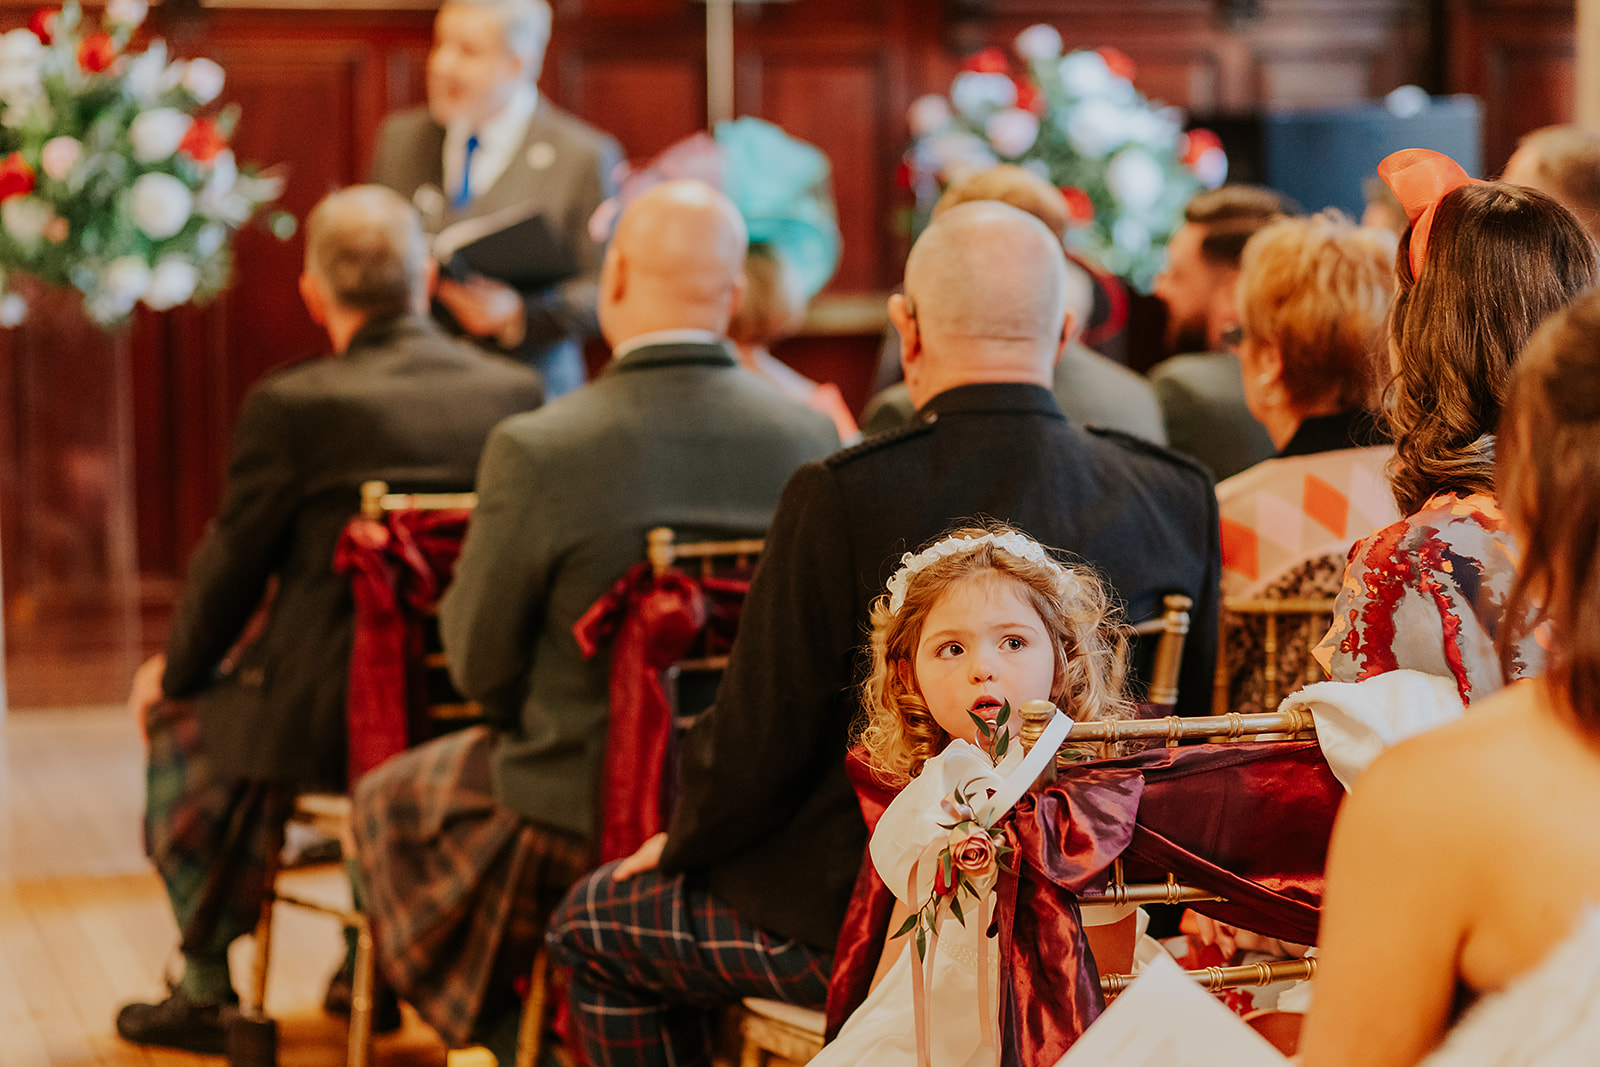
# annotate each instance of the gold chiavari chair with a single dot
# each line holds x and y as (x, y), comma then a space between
(1279, 619)
(1286, 725)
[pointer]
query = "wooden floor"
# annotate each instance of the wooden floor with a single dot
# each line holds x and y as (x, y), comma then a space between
(85, 926)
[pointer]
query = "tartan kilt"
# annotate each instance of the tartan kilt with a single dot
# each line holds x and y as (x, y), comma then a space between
(458, 888)
(213, 841)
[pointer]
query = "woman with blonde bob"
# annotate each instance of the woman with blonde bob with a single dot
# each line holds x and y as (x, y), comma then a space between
(1313, 301)
(1466, 863)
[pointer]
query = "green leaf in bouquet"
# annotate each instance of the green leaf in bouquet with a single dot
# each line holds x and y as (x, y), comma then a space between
(955, 907)
(906, 927)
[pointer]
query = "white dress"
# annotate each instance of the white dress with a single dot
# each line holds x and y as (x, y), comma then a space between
(1547, 1017)
(882, 1030)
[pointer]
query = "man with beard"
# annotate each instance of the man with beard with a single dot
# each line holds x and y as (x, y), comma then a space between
(1202, 393)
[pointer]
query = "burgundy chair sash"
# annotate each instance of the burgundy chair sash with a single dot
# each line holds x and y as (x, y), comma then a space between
(650, 623)
(398, 570)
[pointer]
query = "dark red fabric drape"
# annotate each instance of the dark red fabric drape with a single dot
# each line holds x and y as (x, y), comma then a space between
(1249, 820)
(650, 623)
(398, 569)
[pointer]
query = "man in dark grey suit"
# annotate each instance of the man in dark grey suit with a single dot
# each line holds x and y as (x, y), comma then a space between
(674, 432)
(401, 402)
(756, 868)
(487, 145)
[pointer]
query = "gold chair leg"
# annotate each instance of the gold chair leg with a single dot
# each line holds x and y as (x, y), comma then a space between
(530, 1034)
(361, 995)
(255, 1005)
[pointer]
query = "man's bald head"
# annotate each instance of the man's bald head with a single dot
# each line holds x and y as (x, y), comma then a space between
(985, 300)
(676, 261)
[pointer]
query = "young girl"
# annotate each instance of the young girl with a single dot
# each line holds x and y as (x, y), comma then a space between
(978, 622)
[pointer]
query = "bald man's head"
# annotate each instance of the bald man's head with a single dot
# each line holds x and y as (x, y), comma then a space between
(987, 273)
(676, 261)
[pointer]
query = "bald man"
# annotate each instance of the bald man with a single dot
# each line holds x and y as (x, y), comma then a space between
(745, 893)
(673, 433)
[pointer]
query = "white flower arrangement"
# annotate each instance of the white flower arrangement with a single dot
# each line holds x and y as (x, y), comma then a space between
(1015, 543)
(112, 180)
(1124, 164)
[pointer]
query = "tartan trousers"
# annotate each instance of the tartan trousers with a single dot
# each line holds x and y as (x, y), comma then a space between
(650, 957)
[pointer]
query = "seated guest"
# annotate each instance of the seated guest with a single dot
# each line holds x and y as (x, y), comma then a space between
(674, 433)
(1562, 162)
(1201, 389)
(1088, 386)
(1481, 266)
(1465, 866)
(773, 308)
(398, 401)
(744, 895)
(1313, 298)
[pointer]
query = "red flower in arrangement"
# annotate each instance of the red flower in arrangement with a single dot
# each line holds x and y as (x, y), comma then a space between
(16, 177)
(902, 175)
(1080, 209)
(1118, 62)
(96, 52)
(203, 140)
(43, 23)
(1197, 143)
(1029, 98)
(990, 60)
(940, 886)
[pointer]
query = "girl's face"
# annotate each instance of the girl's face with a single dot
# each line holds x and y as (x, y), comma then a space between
(982, 643)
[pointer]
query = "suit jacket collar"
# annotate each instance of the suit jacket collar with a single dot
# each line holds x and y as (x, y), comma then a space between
(381, 335)
(652, 357)
(991, 398)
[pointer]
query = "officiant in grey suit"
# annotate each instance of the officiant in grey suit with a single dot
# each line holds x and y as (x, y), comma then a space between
(488, 144)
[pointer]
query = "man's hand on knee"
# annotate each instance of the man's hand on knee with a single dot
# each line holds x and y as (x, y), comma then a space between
(146, 691)
(647, 858)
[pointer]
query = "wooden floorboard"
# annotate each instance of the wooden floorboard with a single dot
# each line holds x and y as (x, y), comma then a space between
(85, 926)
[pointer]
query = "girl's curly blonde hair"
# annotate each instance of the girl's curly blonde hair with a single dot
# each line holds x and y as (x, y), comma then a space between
(1089, 637)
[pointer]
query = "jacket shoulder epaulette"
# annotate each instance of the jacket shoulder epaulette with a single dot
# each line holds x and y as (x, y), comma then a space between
(877, 442)
(1135, 443)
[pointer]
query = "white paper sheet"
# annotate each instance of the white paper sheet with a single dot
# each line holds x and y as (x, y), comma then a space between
(1165, 1019)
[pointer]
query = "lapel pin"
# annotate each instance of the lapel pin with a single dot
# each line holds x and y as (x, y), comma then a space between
(541, 155)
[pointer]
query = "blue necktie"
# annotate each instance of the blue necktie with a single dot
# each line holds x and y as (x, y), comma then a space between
(464, 196)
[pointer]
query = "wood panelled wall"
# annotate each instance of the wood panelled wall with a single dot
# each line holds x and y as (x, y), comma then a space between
(315, 80)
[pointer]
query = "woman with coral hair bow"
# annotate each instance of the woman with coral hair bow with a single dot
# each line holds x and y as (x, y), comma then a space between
(1481, 265)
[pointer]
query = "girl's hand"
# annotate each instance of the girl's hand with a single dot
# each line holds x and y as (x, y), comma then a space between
(647, 858)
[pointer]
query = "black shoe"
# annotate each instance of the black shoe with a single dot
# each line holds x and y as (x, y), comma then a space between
(385, 1005)
(178, 1022)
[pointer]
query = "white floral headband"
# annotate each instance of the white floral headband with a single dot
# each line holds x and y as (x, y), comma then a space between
(1013, 542)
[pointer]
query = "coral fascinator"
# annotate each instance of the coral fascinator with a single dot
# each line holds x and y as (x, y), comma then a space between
(1420, 178)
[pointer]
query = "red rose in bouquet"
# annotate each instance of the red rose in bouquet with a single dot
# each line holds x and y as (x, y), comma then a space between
(16, 177)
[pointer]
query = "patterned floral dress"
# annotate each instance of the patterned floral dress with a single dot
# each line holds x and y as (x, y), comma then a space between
(1428, 593)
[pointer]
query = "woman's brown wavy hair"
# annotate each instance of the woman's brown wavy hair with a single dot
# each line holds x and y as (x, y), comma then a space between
(1501, 259)
(1090, 643)
(1549, 471)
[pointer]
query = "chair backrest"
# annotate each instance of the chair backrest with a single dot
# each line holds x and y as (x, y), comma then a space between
(1172, 626)
(1267, 726)
(443, 706)
(723, 569)
(1264, 653)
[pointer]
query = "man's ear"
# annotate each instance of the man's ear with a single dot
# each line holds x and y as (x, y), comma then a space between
(1069, 332)
(613, 276)
(312, 296)
(906, 324)
(736, 298)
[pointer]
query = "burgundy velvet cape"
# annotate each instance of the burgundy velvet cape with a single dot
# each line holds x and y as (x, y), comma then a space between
(1250, 821)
